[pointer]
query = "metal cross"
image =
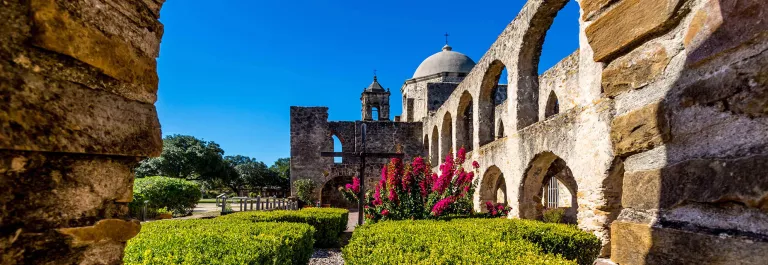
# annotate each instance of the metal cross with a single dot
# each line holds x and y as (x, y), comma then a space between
(446, 38)
(362, 154)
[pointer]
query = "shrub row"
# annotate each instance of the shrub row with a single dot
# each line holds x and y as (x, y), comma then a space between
(177, 195)
(329, 223)
(470, 241)
(220, 242)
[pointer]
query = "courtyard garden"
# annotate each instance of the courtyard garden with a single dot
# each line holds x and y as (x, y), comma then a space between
(413, 216)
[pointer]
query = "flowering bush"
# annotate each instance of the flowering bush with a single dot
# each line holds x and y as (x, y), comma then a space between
(414, 192)
(497, 210)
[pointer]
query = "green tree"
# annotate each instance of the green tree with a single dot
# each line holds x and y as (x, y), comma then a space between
(282, 169)
(255, 174)
(186, 157)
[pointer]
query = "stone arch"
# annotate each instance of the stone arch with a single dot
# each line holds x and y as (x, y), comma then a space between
(487, 102)
(330, 194)
(464, 122)
(500, 130)
(446, 136)
(541, 169)
(493, 187)
(426, 145)
(434, 154)
(524, 85)
(553, 105)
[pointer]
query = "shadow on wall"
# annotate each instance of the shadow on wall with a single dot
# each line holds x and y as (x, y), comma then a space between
(709, 132)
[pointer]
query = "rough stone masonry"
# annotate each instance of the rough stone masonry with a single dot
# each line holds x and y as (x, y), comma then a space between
(78, 83)
(657, 126)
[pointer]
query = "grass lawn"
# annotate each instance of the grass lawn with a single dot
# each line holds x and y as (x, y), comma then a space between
(207, 200)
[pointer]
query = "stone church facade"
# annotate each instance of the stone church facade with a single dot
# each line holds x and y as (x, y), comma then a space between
(653, 135)
(657, 126)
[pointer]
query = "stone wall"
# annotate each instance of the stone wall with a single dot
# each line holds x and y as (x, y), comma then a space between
(690, 84)
(311, 134)
(662, 123)
(78, 83)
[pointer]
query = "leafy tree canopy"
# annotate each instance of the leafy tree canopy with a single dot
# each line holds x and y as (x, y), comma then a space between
(190, 158)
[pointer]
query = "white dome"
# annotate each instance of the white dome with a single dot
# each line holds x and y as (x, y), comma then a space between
(445, 61)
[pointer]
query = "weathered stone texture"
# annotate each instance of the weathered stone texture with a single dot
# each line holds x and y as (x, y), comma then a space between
(43, 114)
(628, 24)
(54, 29)
(77, 84)
(739, 181)
(639, 130)
(724, 25)
(591, 7)
(643, 244)
(635, 70)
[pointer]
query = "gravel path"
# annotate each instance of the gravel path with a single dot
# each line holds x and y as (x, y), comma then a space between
(329, 256)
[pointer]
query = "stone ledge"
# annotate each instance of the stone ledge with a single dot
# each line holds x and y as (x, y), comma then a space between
(629, 23)
(108, 229)
(739, 181)
(633, 243)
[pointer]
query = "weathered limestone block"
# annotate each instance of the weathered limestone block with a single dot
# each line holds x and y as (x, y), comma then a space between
(590, 7)
(741, 88)
(634, 243)
(639, 130)
(635, 70)
(62, 190)
(723, 25)
(740, 180)
(108, 229)
(56, 30)
(56, 198)
(628, 24)
(42, 114)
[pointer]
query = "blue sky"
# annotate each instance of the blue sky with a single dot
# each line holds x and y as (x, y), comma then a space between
(230, 70)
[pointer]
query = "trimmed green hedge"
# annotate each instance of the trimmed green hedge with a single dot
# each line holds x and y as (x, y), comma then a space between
(220, 242)
(470, 241)
(177, 195)
(329, 223)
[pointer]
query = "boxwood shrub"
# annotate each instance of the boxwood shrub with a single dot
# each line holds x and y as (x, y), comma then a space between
(220, 242)
(470, 241)
(177, 195)
(329, 223)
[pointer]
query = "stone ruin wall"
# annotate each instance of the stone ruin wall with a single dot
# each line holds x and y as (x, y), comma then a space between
(78, 84)
(312, 133)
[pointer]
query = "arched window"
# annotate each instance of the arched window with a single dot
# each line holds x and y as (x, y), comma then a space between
(500, 133)
(337, 147)
(464, 122)
(434, 154)
(375, 113)
(553, 106)
(446, 136)
(489, 90)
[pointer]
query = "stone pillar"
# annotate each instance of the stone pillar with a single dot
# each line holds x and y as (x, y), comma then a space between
(78, 83)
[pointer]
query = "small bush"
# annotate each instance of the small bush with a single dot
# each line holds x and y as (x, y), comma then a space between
(220, 242)
(470, 241)
(553, 215)
(305, 190)
(177, 195)
(329, 223)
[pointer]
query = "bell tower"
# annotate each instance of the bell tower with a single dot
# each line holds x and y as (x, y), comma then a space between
(375, 98)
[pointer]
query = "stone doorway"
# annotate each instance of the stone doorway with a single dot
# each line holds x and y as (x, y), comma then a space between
(331, 196)
(548, 184)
